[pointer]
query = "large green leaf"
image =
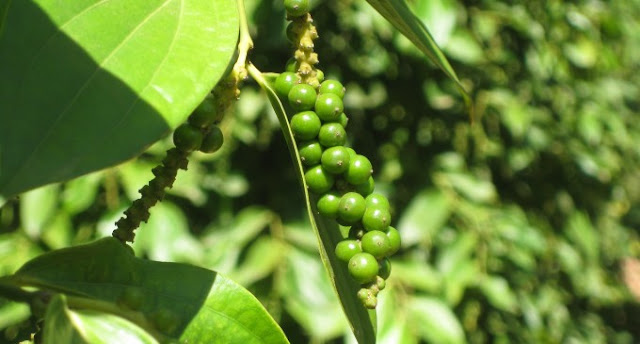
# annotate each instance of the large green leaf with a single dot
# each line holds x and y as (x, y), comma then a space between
(399, 15)
(63, 325)
(194, 304)
(88, 84)
(361, 320)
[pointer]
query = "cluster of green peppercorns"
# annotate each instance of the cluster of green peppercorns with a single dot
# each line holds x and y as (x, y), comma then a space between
(200, 132)
(341, 178)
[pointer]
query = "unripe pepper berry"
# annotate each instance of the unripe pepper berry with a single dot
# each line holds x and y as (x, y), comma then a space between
(302, 97)
(187, 138)
(363, 267)
(305, 125)
(351, 208)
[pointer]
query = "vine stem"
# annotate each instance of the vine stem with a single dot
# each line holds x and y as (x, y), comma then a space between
(245, 43)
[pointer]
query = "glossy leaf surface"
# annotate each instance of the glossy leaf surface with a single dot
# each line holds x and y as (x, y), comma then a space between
(196, 305)
(88, 84)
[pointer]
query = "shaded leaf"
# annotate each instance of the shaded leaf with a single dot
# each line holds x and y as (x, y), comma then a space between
(201, 305)
(362, 321)
(90, 84)
(63, 325)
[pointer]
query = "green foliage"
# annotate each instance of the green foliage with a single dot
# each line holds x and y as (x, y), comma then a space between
(514, 228)
(99, 277)
(100, 84)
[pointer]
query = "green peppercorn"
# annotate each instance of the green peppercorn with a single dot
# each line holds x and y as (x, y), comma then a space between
(302, 97)
(376, 243)
(332, 86)
(310, 152)
(332, 134)
(212, 141)
(284, 82)
(187, 138)
(335, 159)
(328, 204)
(351, 208)
(318, 179)
(305, 125)
(376, 218)
(359, 170)
(363, 267)
(346, 249)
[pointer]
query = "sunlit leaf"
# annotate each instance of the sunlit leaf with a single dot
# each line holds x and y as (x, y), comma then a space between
(435, 322)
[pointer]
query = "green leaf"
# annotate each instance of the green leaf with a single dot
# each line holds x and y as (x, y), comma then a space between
(435, 321)
(498, 292)
(423, 218)
(309, 298)
(63, 325)
(399, 15)
(361, 320)
(89, 84)
(194, 304)
(37, 207)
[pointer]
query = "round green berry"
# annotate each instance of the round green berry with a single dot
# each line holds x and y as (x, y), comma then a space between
(320, 75)
(318, 179)
(335, 159)
(352, 153)
(363, 267)
(376, 219)
(212, 141)
(332, 86)
(359, 170)
(187, 138)
(284, 82)
(351, 208)
(366, 188)
(291, 66)
(346, 249)
(302, 97)
(332, 134)
(343, 119)
(292, 35)
(376, 243)
(380, 282)
(205, 114)
(394, 240)
(296, 8)
(376, 200)
(310, 152)
(329, 107)
(384, 268)
(305, 125)
(328, 204)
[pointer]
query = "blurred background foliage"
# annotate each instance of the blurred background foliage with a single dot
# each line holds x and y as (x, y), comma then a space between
(519, 227)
